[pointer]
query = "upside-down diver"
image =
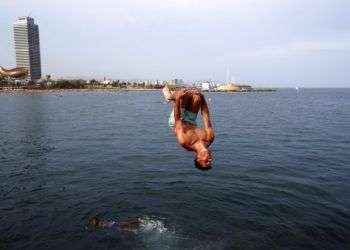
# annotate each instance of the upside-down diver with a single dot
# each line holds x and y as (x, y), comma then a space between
(182, 121)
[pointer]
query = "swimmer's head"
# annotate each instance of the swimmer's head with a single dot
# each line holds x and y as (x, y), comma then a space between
(96, 221)
(203, 159)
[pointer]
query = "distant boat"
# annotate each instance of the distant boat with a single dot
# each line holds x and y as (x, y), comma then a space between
(296, 88)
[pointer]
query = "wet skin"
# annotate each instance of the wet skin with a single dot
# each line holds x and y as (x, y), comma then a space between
(188, 135)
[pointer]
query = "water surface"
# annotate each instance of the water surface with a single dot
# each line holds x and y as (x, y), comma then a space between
(280, 180)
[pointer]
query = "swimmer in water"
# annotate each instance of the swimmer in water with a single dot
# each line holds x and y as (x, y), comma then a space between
(182, 121)
(97, 223)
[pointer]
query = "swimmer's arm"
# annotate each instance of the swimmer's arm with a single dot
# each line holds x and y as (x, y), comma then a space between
(206, 120)
(130, 222)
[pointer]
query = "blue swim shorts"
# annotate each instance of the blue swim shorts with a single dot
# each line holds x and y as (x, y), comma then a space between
(186, 116)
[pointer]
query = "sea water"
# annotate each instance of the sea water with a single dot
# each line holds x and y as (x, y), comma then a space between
(280, 177)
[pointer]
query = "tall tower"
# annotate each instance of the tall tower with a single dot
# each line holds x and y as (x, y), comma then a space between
(27, 45)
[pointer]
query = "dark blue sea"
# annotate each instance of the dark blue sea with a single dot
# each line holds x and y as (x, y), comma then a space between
(280, 178)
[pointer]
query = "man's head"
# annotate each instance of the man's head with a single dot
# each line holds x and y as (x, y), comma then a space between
(203, 159)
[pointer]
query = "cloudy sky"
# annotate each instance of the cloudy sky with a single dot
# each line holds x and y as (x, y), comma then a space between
(269, 43)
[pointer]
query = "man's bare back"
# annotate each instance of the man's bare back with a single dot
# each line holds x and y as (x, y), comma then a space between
(183, 122)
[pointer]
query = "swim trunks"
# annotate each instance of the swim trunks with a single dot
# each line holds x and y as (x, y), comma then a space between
(186, 116)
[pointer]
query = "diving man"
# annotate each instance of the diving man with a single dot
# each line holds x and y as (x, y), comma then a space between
(182, 121)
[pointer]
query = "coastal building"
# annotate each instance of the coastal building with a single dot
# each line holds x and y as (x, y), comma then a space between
(246, 88)
(231, 87)
(27, 46)
(178, 82)
(205, 86)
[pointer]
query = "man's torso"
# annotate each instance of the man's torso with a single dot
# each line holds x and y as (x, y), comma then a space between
(189, 134)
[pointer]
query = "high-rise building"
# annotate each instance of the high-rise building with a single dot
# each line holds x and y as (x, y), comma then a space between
(27, 46)
(178, 81)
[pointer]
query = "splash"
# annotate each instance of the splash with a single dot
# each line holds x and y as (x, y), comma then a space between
(156, 236)
(149, 225)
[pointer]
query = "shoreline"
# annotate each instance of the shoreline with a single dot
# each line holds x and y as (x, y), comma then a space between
(39, 90)
(73, 90)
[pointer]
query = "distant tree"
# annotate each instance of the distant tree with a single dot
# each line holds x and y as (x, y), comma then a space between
(68, 84)
(30, 83)
(2, 81)
(116, 84)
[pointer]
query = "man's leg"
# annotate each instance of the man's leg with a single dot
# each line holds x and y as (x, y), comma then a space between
(173, 95)
(192, 102)
(168, 95)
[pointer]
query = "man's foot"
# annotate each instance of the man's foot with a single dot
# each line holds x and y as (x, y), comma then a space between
(167, 94)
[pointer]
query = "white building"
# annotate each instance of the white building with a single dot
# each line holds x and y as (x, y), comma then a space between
(205, 86)
(27, 46)
(107, 81)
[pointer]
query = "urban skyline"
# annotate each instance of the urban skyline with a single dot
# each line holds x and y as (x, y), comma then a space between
(265, 43)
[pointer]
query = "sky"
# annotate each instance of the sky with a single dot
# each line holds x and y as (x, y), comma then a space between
(270, 43)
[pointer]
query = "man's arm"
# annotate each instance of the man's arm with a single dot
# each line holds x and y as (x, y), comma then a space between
(181, 138)
(206, 120)
(177, 111)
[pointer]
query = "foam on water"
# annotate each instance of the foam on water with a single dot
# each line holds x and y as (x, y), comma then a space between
(156, 235)
(152, 225)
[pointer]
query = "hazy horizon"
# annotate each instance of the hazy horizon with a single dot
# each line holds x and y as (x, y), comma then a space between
(266, 43)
